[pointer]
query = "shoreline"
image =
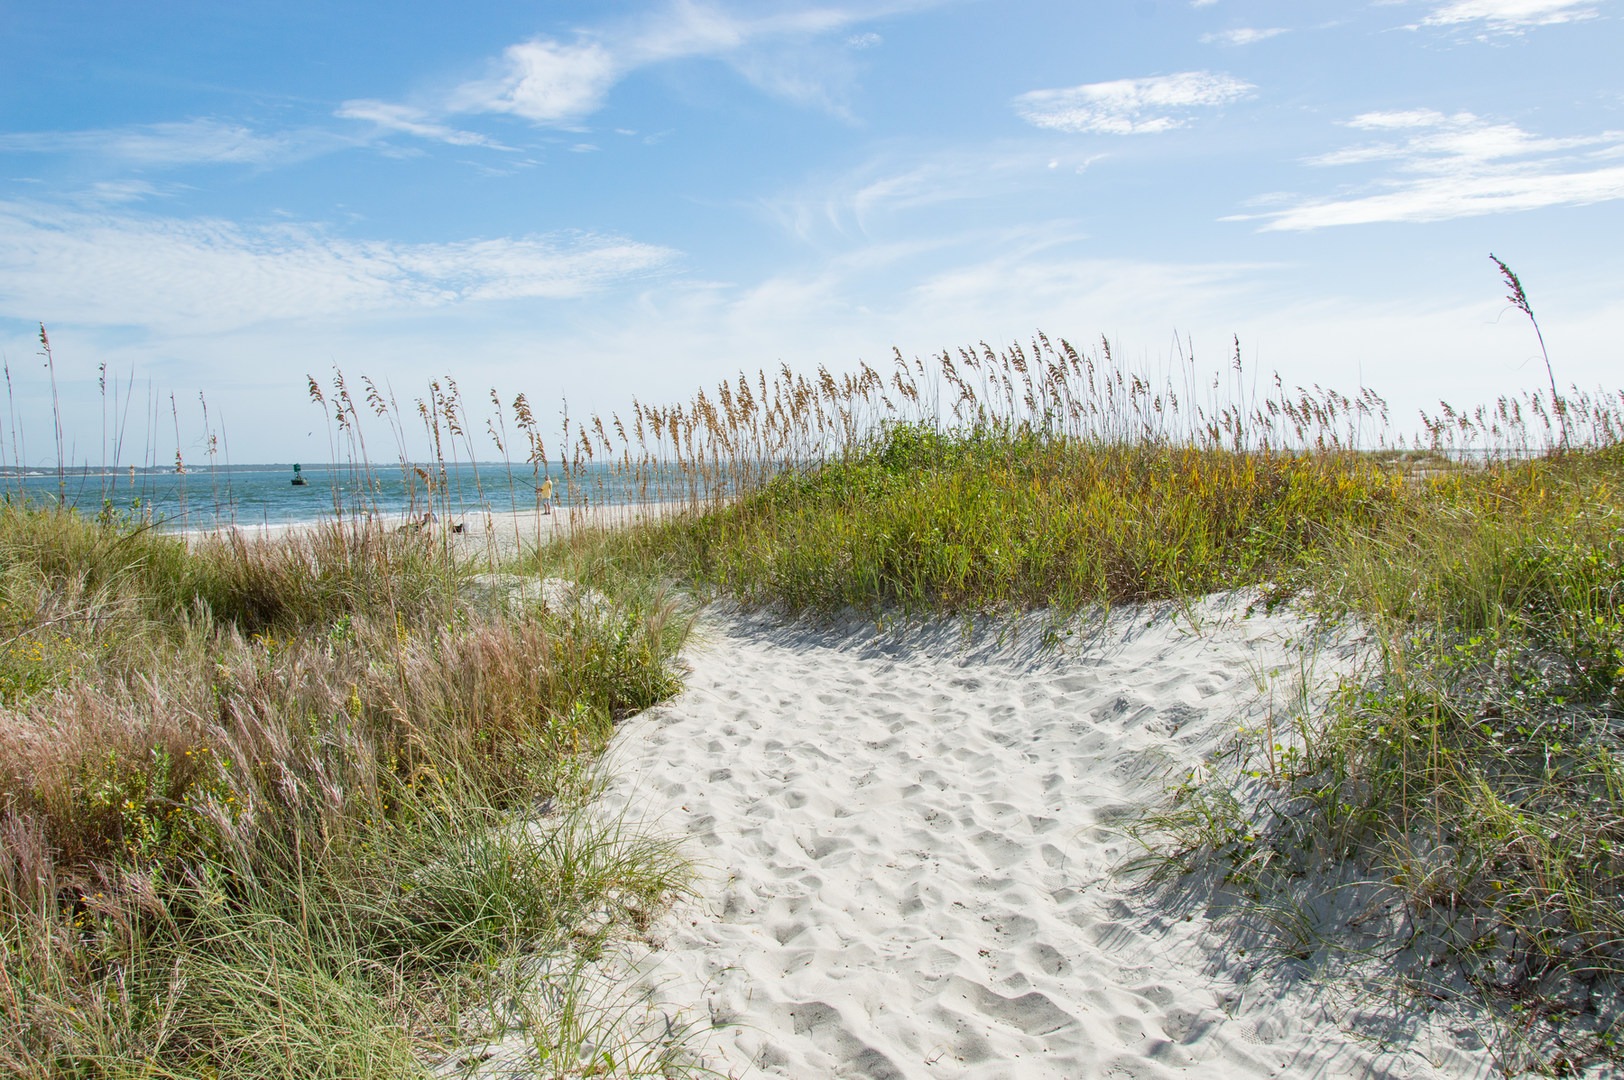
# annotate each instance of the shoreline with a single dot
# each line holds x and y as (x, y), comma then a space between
(495, 534)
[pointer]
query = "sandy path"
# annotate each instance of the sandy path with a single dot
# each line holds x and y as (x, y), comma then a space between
(906, 854)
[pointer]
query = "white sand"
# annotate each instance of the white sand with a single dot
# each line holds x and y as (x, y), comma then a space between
(508, 533)
(907, 848)
(487, 535)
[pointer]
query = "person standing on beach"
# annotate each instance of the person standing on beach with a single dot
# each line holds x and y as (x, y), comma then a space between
(544, 495)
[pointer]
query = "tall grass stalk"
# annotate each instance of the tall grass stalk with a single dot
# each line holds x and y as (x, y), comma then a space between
(56, 415)
(1519, 300)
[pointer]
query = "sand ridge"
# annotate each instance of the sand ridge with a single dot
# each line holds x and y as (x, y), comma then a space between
(907, 843)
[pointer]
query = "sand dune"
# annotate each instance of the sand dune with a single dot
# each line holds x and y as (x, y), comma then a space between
(907, 845)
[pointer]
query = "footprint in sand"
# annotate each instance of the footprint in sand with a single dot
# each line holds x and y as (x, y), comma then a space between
(905, 860)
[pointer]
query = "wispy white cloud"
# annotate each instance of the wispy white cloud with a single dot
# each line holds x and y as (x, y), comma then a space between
(1510, 16)
(1242, 36)
(550, 82)
(875, 197)
(1445, 143)
(954, 288)
(1457, 165)
(113, 192)
(1131, 106)
(411, 121)
(194, 275)
(556, 82)
(188, 142)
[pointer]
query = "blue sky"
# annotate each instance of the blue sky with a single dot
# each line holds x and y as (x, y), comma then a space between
(641, 197)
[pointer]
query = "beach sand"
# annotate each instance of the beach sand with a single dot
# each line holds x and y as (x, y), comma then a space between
(486, 536)
(495, 536)
(907, 844)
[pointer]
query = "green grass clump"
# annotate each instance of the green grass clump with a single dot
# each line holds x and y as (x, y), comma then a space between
(297, 809)
(1488, 740)
(926, 521)
(1476, 769)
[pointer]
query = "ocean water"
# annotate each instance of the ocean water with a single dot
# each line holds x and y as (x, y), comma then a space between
(248, 495)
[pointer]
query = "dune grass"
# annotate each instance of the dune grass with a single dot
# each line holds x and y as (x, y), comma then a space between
(925, 522)
(1479, 763)
(1472, 772)
(300, 809)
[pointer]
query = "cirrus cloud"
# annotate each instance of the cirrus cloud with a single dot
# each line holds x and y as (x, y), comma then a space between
(1245, 35)
(1131, 106)
(1511, 16)
(410, 121)
(559, 83)
(1446, 166)
(185, 142)
(185, 276)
